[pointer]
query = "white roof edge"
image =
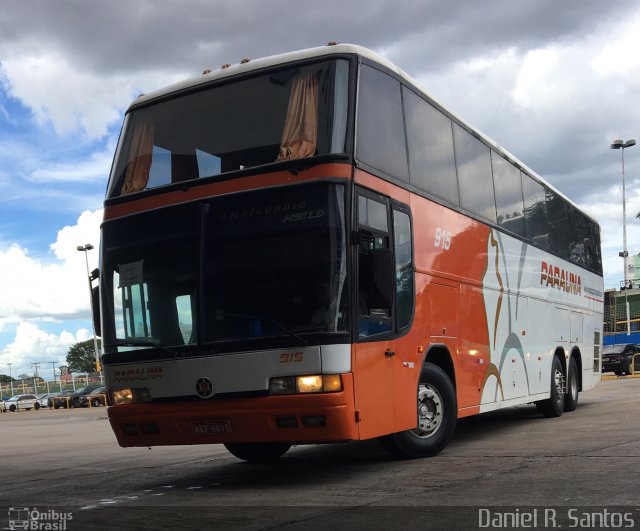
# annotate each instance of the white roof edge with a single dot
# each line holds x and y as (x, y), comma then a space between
(265, 62)
(328, 51)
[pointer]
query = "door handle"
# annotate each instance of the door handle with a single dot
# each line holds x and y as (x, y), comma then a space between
(389, 353)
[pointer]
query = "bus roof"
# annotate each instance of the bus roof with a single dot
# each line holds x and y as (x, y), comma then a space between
(266, 62)
(250, 65)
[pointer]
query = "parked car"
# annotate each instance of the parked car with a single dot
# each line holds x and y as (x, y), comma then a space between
(17, 402)
(60, 400)
(77, 399)
(43, 399)
(96, 398)
(619, 358)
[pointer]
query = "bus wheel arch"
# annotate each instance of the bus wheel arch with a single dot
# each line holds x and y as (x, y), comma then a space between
(439, 355)
(437, 414)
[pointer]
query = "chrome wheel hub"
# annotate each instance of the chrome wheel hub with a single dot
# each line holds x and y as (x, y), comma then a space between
(430, 411)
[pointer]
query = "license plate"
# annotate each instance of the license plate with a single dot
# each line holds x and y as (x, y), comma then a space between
(211, 427)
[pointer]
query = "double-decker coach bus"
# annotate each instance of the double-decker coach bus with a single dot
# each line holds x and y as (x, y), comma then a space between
(308, 248)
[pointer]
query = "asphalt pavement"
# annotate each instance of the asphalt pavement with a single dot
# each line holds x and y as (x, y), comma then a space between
(508, 469)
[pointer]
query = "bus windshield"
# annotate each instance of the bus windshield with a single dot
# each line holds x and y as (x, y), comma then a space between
(289, 113)
(265, 264)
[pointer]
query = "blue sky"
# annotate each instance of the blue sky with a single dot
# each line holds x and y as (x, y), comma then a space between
(553, 82)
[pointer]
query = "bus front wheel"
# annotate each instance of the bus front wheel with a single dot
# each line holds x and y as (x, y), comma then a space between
(437, 416)
(258, 452)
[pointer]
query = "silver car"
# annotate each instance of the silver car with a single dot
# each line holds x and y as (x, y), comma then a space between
(17, 402)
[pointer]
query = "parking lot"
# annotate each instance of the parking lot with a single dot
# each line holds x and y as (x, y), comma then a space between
(68, 461)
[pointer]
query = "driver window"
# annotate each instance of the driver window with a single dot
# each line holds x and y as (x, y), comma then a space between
(374, 304)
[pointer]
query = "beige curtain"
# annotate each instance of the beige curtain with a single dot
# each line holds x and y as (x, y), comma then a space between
(139, 164)
(300, 135)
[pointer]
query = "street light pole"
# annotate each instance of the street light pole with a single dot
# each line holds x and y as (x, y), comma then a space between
(622, 145)
(10, 377)
(84, 248)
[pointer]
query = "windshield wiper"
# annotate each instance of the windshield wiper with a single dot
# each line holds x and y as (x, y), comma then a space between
(275, 323)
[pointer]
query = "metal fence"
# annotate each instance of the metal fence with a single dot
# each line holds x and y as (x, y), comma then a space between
(38, 386)
(622, 312)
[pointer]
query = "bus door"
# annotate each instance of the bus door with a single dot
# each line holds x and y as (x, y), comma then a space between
(373, 370)
(385, 302)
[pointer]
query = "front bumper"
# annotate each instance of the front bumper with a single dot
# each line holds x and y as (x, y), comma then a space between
(255, 419)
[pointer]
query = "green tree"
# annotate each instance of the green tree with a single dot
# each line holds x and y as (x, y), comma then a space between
(5, 378)
(82, 357)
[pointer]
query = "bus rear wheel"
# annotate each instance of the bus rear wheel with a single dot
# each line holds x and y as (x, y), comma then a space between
(571, 398)
(554, 405)
(437, 416)
(258, 452)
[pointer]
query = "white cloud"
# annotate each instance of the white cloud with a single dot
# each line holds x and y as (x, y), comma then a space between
(34, 345)
(57, 91)
(94, 168)
(620, 54)
(34, 290)
(534, 87)
(86, 230)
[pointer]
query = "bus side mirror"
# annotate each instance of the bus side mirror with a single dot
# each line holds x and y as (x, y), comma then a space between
(95, 304)
(383, 275)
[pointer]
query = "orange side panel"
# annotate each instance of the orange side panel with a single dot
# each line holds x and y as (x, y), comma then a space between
(374, 392)
(450, 252)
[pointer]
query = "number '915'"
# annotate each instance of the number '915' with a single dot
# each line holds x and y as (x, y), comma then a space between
(442, 239)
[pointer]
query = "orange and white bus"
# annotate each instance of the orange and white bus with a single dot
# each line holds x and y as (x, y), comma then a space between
(308, 248)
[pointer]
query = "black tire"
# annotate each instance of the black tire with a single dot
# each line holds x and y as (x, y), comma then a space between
(571, 398)
(96, 402)
(437, 417)
(554, 405)
(12, 408)
(36, 406)
(258, 452)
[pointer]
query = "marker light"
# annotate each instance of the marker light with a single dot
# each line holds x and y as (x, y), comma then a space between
(314, 383)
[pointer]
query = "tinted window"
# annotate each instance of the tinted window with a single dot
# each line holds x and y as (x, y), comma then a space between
(373, 243)
(559, 227)
(404, 268)
(508, 189)
(535, 212)
(430, 143)
(372, 213)
(473, 163)
(287, 113)
(380, 131)
(583, 242)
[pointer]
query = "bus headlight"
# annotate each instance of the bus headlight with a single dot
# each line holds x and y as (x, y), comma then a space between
(136, 395)
(314, 383)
